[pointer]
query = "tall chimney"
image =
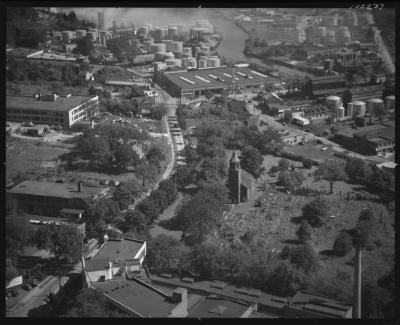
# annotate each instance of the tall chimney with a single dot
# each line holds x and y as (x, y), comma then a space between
(79, 187)
(357, 285)
(110, 275)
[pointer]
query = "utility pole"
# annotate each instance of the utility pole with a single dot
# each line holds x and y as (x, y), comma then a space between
(357, 284)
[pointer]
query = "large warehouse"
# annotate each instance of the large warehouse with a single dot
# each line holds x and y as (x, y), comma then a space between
(190, 83)
(51, 109)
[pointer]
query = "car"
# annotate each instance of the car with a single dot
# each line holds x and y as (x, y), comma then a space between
(324, 148)
(27, 286)
(301, 143)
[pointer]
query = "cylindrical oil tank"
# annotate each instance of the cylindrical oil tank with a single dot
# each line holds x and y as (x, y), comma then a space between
(143, 30)
(159, 56)
(172, 31)
(169, 55)
(374, 104)
(67, 35)
(80, 33)
(168, 43)
(95, 31)
(331, 37)
(202, 64)
(352, 20)
(390, 102)
(331, 20)
(333, 102)
(346, 38)
(158, 48)
(370, 18)
(187, 51)
(177, 47)
(340, 112)
(321, 31)
(191, 62)
(205, 49)
(213, 62)
(92, 35)
(328, 64)
(147, 45)
(356, 108)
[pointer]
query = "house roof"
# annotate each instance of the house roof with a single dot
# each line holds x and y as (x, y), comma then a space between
(116, 250)
(22, 51)
(60, 190)
(246, 179)
(142, 299)
(318, 304)
(209, 307)
(254, 120)
(61, 104)
(387, 133)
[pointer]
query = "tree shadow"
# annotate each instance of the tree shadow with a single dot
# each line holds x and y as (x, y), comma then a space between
(328, 253)
(292, 242)
(297, 220)
(171, 224)
(42, 311)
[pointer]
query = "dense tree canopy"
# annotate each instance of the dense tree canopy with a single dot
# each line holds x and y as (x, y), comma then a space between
(332, 170)
(316, 211)
(251, 161)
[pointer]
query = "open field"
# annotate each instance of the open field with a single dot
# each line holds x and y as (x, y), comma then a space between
(312, 151)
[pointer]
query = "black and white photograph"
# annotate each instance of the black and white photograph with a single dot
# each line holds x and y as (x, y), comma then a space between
(200, 162)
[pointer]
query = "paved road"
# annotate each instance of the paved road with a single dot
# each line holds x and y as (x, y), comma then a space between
(37, 296)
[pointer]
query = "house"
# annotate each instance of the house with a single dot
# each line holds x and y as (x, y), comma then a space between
(292, 138)
(48, 198)
(301, 121)
(86, 75)
(115, 258)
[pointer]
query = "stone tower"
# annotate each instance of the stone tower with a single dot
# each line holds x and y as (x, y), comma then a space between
(234, 178)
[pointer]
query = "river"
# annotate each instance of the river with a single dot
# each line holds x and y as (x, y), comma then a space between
(234, 42)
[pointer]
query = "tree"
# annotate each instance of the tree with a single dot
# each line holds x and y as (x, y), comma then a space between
(304, 231)
(150, 209)
(155, 156)
(163, 254)
(357, 170)
(283, 164)
(125, 194)
(158, 111)
(64, 241)
(331, 170)
(146, 172)
(303, 257)
(182, 176)
(316, 211)
(91, 303)
(252, 161)
(134, 220)
(125, 156)
(19, 234)
(343, 244)
(291, 180)
(168, 187)
(307, 163)
(11, 271)
(96, 148)
(284, 281)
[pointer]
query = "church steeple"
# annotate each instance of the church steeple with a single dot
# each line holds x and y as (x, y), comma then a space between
(234, 177)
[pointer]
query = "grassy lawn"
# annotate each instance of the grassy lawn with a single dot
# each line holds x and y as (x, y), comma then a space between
(31, 156)
(311, 151)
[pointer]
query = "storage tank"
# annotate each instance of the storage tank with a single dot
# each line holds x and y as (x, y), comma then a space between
(177, 47)
(67, 35)
(340, 112)
(169, 55)
(390, 102)
(172, 31)
(92, 35)
(331, 21)
(310, 33)
(206, 50)
(159, 56)
(321, 31)
(187, 51)
(160, 34)
(202, 64)
(333, 102)
(174, 62)
(95, 31)
(191, 62)
(168, 43)
(373, 104)
(144, 30)
(328, 64)
(213, 62)
(356, 108)
(158, 48)
(331, 37)
(147, 45)
(352, 20)
(80, 33)
(370, 18)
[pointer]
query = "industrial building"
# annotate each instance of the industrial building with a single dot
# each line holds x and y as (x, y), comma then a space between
(51, 109)
(366, 92)
(48, 198)
(326, 85)
(198, 82)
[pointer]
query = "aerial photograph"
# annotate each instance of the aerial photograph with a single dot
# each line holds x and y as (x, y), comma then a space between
(200, 162)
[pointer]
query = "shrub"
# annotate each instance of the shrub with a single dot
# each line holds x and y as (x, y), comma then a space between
(304, 231)
(284, 164)
(315, 211)
(308, 163)
(343, 244)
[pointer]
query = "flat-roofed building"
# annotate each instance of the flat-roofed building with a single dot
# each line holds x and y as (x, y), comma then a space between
(305, 304)
(199, 82)
(47, 198)
(52, 109)
(23, 52)
(115, 258)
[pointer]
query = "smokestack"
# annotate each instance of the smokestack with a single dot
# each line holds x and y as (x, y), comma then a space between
(357, 285)
(110, 275)
(79, 187)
